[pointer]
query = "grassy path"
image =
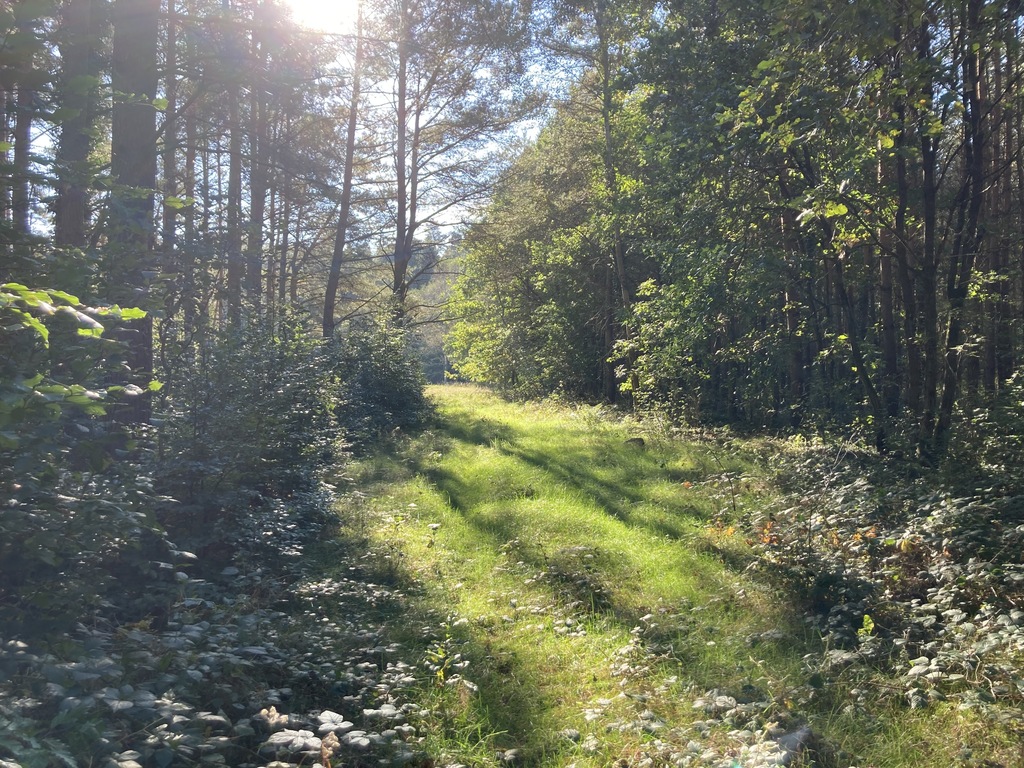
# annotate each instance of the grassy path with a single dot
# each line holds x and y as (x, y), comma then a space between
(581, 599)
(585, 579)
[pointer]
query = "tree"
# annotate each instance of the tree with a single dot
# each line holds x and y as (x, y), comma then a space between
(529, 300)
(460, 87)
(799, 222)
(128, 264)
(348, 173)
(78, 43)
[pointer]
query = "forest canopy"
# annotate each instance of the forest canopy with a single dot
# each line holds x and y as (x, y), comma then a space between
(785, 215)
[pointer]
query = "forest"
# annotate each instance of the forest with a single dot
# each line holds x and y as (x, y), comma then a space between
(234, 251)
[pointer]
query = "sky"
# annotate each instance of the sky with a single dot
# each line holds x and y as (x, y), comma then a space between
(325, 15)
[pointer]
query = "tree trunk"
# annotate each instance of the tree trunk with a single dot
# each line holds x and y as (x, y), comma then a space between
(235, 265)
(970, 230)
(927, 283)
(341, 231)
(22, 195)
(402, 256)
(134, 79)
(78, 82)
(258, 146)
(5, 156)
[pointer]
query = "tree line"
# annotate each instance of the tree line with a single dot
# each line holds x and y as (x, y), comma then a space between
(788, 214)
(218, 231)
(226, 162)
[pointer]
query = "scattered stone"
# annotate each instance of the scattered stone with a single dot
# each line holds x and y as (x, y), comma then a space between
(795, 742)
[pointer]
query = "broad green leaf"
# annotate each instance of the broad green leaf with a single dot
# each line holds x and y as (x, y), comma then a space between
(178, 202)
(63, 296)
(41, 329)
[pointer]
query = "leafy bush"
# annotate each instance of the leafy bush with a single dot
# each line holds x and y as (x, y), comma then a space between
(908, 573)
(989, 441)
(381, 381)
(250, 418)
(78, 498)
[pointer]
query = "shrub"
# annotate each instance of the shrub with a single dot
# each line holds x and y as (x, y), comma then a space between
(78, 497)
(904, 571)
(250, 417)
(381, 381)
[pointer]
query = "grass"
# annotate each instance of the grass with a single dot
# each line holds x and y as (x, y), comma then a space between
(574, 593)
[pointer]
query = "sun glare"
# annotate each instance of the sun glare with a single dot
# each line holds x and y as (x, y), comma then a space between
(331, 16)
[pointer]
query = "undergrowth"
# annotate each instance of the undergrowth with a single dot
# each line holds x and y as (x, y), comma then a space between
(161, 603)
(914, 581)
(545, 585)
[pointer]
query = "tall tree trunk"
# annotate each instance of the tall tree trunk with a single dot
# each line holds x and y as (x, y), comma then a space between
(78, 82)
(970, 229)
(258, 146)
(341, 231)
(791, 310)
(6, 262)
(235, 265)
(188, 261)
(22, 194)
(170, 206)
(927, 283)
(134, 78)
(890, 348)
(905, 274)
(609, 386)
(402, 256)
(170, 134)
(282, 267)
(270, 284)
(887, 311)
(608, 154)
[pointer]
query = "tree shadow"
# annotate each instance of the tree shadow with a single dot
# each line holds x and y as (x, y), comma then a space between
(509, 696)
(475, 430)
(586, 581)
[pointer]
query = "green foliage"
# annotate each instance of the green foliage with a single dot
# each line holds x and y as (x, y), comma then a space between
(79, 497)
(531, 301)
(989, 446)
(381, 381)
(250, 416)
(918, 578)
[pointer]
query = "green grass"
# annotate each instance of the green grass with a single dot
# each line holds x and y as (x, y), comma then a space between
(590, 582)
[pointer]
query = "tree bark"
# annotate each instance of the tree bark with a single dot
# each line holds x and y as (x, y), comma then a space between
(402, 255)
(235, 264)
(78, 82)
(134, 79)
(970, 229)
(341, 231)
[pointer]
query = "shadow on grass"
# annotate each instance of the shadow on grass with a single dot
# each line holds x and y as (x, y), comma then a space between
(589, 584)
(509, 699)
(475, 430)
(512, 704)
